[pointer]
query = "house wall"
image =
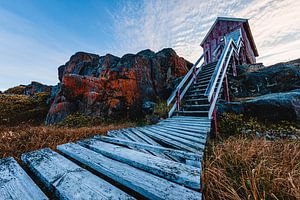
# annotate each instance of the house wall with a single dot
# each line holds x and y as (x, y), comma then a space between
(213, 40)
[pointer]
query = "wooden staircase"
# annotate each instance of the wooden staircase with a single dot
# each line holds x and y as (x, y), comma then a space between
(195, 102)
(161, 161)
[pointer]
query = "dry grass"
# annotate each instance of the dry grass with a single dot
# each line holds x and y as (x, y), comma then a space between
(20, 139)
(245, 168)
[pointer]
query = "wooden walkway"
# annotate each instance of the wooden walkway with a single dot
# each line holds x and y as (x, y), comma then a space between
(161, 161)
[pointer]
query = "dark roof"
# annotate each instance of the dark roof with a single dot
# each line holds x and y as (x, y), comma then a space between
(246, 26)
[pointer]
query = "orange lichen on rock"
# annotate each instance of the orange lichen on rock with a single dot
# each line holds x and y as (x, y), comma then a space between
(110, 86)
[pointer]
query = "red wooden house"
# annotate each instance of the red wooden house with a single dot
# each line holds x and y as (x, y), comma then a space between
(214, 40)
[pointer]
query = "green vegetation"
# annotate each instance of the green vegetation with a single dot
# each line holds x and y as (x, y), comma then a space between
(232, 124)
(16, 109)
(161, 109)
(16, 90)
(77, 120)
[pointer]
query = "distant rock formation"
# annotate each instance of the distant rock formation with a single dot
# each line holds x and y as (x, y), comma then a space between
(31, 89)
(109, 86)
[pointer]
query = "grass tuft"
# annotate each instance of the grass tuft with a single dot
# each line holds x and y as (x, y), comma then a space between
(244, 168)
(20, 139)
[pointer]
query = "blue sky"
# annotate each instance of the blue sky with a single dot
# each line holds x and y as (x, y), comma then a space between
(37, 36)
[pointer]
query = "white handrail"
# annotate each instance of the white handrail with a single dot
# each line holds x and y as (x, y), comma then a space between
(184, 86)
(182, 82)
(213, 103)
(213, 81)
(211, 91)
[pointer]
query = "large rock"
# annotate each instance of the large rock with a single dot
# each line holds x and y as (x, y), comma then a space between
(109, 86)
(256, 80)
(272, 107)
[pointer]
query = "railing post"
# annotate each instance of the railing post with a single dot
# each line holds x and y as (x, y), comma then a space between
(226, 89)
(214, 119)
(194, 74)
(178, 99)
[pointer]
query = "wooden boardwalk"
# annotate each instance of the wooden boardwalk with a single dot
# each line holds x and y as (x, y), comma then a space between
(161, 161)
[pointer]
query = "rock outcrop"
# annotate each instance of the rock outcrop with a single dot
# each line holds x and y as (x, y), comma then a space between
(272, 107)
(256, 80)
(269, 93)
(109, 86)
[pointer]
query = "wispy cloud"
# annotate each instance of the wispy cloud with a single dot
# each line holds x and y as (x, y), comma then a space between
(183, 24)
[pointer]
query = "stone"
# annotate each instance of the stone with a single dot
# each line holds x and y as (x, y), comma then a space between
(148, 107)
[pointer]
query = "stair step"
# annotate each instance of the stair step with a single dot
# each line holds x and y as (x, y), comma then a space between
(206, 71)
(196, 106)
(203, 79)
(199, 86)
(197, 91)
(200, 99)
(202, 82)
(203, 75)
(192, 112)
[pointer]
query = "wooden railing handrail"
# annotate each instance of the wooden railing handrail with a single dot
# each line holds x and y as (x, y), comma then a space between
(213, 90)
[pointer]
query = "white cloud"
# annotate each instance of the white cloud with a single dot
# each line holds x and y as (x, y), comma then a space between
(182, 25)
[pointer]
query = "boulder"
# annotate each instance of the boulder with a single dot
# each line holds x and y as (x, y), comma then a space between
(272, 107)
(109, 86)
(256, 80)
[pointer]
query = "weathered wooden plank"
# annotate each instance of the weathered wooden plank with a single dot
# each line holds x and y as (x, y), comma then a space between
(152, 142)
(194, 145)
(133, 138)
(139, 139)
(202, 135)
(188, 117)
(191, 124)
(120, 134)
(173, 171)
(181, 154)
(188, 128)
(15, 184)
(145, 137)
(67, 180)
(196, 125)
(146, 184)
(169, 141)
(187, 120)
(184, 136)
